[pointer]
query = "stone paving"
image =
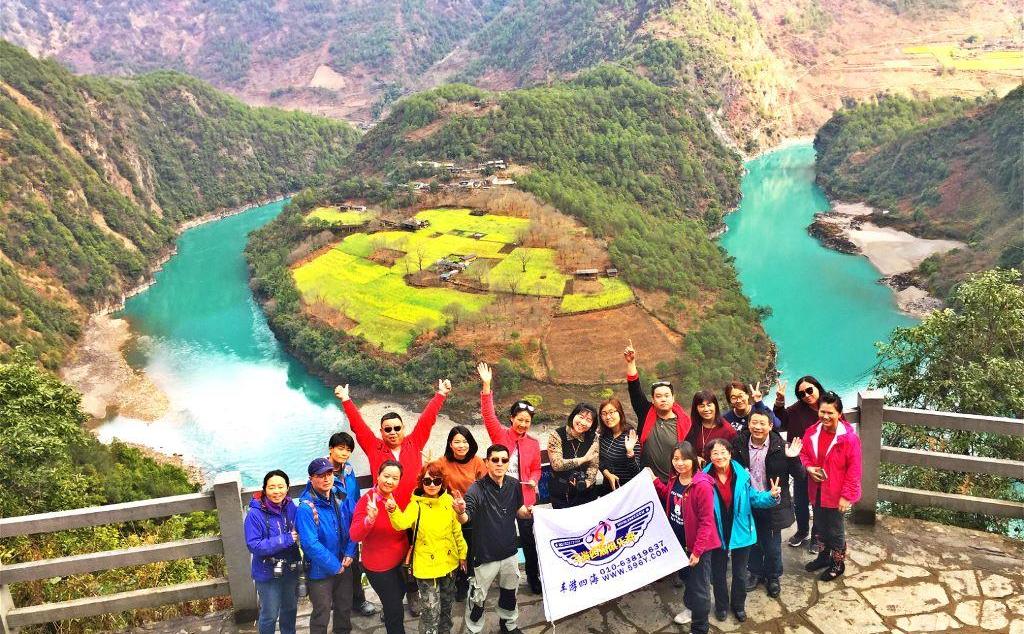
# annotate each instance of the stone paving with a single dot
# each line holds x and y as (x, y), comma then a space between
(902, 576)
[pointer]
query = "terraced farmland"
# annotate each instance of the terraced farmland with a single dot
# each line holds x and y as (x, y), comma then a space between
(336, 217)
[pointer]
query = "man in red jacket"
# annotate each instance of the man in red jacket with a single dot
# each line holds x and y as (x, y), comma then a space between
(662, 423)
(393, 443)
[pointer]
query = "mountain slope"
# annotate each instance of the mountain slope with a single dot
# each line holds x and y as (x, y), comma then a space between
(98, 173)
(637, 164)
(945, 168)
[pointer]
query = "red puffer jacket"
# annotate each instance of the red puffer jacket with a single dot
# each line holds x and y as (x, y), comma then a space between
(528, 446)
(842, 464)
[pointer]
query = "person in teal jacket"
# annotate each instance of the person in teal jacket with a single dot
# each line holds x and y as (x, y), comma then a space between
(322, 522)
(735, 496)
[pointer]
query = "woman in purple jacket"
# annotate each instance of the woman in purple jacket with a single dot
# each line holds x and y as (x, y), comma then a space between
(274, 544)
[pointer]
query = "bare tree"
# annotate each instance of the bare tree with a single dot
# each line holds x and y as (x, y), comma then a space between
(523, 257)
(420, 253)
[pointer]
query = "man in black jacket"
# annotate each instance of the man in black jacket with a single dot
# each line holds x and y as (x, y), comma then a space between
(769, 460)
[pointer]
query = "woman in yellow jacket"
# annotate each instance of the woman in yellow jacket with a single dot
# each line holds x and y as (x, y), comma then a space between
(438, 548)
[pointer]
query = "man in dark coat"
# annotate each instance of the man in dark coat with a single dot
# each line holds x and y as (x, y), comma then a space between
(770, 461)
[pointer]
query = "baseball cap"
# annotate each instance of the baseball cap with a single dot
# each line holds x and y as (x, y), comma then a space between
(320, 466)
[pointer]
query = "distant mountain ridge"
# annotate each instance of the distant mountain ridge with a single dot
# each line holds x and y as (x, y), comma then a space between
(96, 174)
(775, 67)
(946, 168)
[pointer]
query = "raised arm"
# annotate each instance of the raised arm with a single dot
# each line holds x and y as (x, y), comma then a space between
(425, 423)
(364, 435)
(494, 427)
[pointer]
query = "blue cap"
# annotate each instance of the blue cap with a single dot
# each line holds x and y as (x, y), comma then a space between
(320, 466)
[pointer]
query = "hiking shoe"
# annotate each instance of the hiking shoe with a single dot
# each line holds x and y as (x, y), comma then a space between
(721, 614)
(752, 582)
(798, 539)
(741, 615)
(773, 587)
(824, 560)
(366, 608)
(814, 546)
(683, 617)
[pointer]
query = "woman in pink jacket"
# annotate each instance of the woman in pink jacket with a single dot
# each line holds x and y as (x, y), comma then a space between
(831, 452)
(524, 464)
(690, 506)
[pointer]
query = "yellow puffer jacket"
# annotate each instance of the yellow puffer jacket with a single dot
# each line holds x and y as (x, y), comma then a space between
(439, 542)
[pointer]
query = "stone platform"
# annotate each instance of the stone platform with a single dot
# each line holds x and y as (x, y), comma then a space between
(902, 576)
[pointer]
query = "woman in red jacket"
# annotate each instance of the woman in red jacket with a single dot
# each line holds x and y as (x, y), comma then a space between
(524, 464)
(707, 423)
(690, 506)
(384, 548)
(831, 452)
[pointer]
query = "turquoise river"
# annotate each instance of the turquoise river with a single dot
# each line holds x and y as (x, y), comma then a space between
(238, 401)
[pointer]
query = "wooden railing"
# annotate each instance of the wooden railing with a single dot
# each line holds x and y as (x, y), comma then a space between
(231, 503)
(872, 413)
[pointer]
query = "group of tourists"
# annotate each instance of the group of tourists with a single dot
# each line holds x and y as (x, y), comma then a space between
(441, 533)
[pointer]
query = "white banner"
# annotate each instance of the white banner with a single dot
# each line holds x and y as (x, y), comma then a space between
(592, 553)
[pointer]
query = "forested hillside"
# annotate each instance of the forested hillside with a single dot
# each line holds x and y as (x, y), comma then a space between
(96, 173)
(636, 163)
(945, 168)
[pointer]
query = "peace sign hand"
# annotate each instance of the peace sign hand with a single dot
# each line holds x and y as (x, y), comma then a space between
(459, 505)
(776, 491)
(755, 392)
(793, 448)
(780, 391)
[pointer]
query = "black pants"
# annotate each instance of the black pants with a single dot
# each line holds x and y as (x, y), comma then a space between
(830, 527)
(529, 546)
(331, 597)
(737, 598)
(801, 505)
(697, 596)
(390, 587)
(462, 578)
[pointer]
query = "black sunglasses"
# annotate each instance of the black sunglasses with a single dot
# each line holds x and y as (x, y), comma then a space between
(432, 482)
(390, 430)
(806, 391)
(497, 460)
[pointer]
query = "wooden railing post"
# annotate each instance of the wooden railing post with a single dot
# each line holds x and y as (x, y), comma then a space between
(227, 494)
(871, 406)
(6, 605)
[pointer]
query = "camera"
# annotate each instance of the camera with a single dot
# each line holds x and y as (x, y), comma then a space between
(283, 567)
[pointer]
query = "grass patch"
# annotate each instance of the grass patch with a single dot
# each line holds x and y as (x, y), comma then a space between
(614, 292)
(952, 56)
(542, 277)
(339, 218)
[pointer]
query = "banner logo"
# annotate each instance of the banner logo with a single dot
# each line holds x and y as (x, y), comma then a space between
(605, 541)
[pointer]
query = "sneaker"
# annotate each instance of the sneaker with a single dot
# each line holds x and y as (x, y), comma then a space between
(814, 547)
(824, 560)
(741, 615)
(366, 608)
(503, 627)
(798, 539)
(773, 587)
(683, 617)
(721, 614)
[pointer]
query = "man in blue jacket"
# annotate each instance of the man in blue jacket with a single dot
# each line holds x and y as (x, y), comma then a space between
(341, 445)
(322, 522)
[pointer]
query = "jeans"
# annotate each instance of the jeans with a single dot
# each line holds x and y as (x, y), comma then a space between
(529, 546)
(697, 596)
(719, 562)
(436, 599)
(801, 505)
(278, 603)
(766, 554)
(331, 596)
(390, 586)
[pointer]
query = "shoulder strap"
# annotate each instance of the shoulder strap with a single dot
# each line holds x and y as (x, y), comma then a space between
(415, 534)
(312, 507)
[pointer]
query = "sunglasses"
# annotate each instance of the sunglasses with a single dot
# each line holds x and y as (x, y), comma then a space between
(499, 460)
(432, 482)
(391, 430)
(658, 384)
(523, 406)
(806, 392)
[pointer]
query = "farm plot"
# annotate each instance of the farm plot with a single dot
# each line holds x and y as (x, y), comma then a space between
(339, 218)
(503, 229)
(389, 312)
(614, 292)
(952, 56)
(541, 277)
